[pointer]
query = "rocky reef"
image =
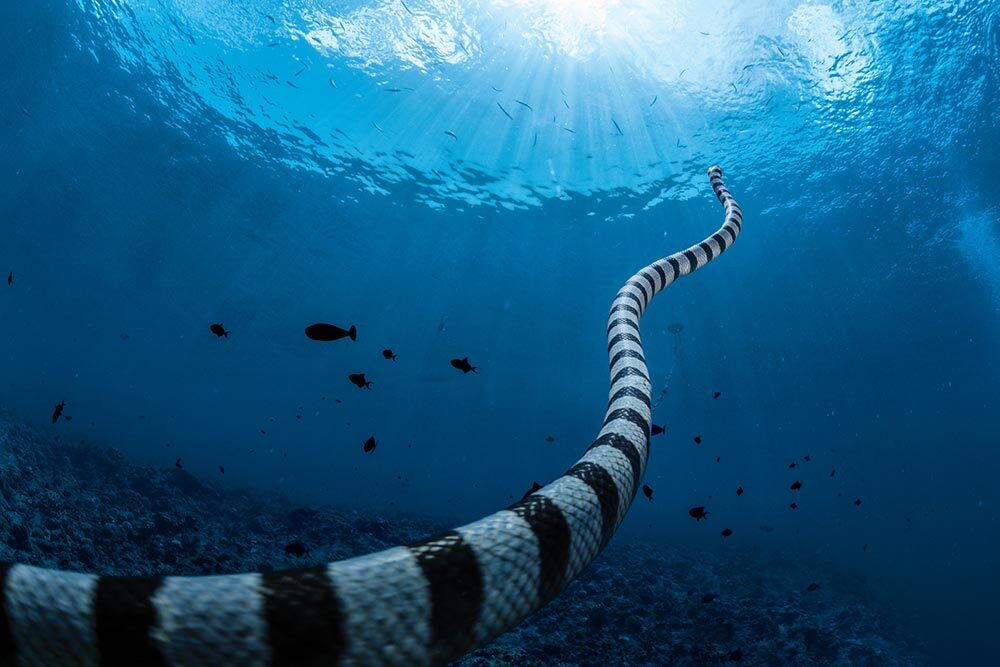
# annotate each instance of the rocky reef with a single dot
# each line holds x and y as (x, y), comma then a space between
(85, 508)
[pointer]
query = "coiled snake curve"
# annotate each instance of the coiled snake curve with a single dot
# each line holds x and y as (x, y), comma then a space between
(421, 604)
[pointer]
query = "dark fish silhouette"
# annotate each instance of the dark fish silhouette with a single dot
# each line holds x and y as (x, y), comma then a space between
(735, 656)
(726, 533)
(792, 464)
(464, 365)
(697, 439)
(327, 332)
(505, 113)
(807, 458)
(794, 506)
(739, 490)
(549, 438)
(222, 470)
(370, 445)
(718, 459)
(296, 549)
(451, 134)
(707, 597)
(698, 513)
(717, 394)
(525, 105)
(648, 491)
(534, 487)
(796, 485)
(219, 331)
(857, 502)
(177, 464)
(811, 587)
(10, 278)
(358, 379)
(57, 413)
(387, 353)
(657, 429)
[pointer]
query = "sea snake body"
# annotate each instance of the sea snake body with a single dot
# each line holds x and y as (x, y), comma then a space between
(421, 604)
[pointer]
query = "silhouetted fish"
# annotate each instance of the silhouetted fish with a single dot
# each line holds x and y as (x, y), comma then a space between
(697, 439)
(647, 491)
(707, 597)
(505, 113)
(58, 411)
(219, 331)
(534, 487)
(296, 549)
(698, 513)
(726, 533)
(177, 464)
(525, 105)
(857, 502)
(463, 365)
(739, 490)
(811, 587)
(794, 506)
(358, 379)
(717, 394)
(796, 485)
(387, 353)
(656, 429)
(833, 472)
(807, 458)
(451, 134)
(370, 445)
(792, 464)
(549, 438)
(327, 332)
(222, 470)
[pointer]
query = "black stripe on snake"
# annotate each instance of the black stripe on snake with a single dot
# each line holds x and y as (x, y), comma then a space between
(423, 604)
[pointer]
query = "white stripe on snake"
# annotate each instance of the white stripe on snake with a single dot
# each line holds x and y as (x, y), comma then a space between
(422, 604)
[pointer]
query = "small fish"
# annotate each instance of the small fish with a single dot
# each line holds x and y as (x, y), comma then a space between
(178, 465)
(300, 71)
(807, 458)
(707, 598)
(726, 533)
(296, 549)
(222, 470)
(792, 464)
(375, 125)
(10, 278)
(833, 472)
(333, 83)
(58, 411)
(270, 18)
(657, 429)
(409, 11)
(796, 485)
(496, 90)
(794, 506)
(715, 395)
(358, 380)
(505, 113)
(735, 656)
(648, 491)
(327, 332)
(525, 105)
(857, 502)
(698, 513)
(655, 97)
(549, 438)
(739, 491)
(811, 587)
(393, 90)
(464, 365)
(618, 127)
(766, 529)
(219, 331)
(451, 134)
(370, 445)
(718, 459)
(387, 353)
(697, 439)
(535, 486)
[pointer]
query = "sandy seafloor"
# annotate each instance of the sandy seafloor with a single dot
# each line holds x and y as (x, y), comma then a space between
(83, 507)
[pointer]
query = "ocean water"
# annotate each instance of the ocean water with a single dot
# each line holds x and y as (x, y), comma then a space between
(478, 179)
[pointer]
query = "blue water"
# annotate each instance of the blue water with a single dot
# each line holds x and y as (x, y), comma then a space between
(168, 164)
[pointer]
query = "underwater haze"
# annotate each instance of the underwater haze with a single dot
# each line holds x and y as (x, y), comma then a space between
(477, 179)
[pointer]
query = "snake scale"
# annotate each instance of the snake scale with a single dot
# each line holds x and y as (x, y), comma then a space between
(421, 604)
